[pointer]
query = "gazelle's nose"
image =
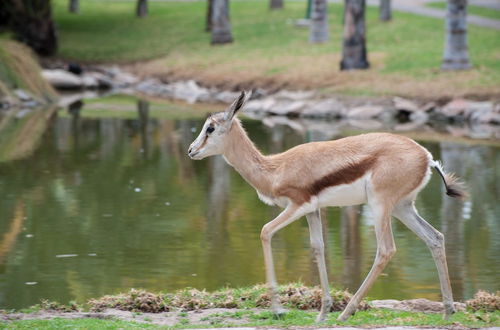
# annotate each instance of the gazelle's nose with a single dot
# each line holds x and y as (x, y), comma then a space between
(189, 151)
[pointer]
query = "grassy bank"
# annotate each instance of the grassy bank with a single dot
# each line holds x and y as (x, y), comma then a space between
(471, 10)
(295, 318)
(269, 51)
(243, 307)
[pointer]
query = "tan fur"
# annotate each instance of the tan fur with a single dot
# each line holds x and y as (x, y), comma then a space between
(384, 170)
(397, 164)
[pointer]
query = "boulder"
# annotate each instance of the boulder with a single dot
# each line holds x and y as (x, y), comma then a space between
(329, 108)
(365, 112)
(62, 79)
(405, 105)
(225, 96)
(455, 108)
(22, 95)
(287, 108)
(188, 91)
(294, 95)
(261, 105)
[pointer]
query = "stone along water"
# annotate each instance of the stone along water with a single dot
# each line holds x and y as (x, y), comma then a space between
(95, 205)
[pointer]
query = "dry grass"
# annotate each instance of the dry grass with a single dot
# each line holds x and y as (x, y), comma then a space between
(292, 296)
(484, 301)
(318, 71)
(19, 69)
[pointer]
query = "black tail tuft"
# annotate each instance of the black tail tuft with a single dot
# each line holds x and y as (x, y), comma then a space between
(454, 186)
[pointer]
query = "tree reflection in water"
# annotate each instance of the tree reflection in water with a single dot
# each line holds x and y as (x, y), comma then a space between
(125, 190)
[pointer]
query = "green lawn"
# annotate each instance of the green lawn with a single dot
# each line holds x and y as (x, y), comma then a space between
(294, 318)
(472, 10)
(405, 54)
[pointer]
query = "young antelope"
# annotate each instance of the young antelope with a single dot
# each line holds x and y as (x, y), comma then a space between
(384, 170)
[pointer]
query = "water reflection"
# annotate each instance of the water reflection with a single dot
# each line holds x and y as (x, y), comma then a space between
(123, 196)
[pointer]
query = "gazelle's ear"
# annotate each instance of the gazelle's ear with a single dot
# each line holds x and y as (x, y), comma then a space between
(237, 105)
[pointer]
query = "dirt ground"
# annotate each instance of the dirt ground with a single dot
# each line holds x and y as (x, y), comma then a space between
(208, 317)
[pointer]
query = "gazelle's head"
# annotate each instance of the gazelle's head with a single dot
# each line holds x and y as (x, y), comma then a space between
(212, 137)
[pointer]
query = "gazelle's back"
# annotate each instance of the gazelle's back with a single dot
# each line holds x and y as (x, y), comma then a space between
(386, 163)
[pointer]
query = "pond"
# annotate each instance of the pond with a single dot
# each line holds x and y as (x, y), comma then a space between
(102, 199)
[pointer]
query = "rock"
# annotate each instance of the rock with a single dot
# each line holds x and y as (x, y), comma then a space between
(365, 112)
(188, 91)
(405, 105)
(482, 112)
(22, 95)
(289, 109)
(62, 79)
(370, 124)
(415, 305)
(89, 81)
(262, 105)
(419, 117)
(295, 96)
(124, 79)
(225, 96)
(455, 108)
(429, 106)
(329, 108)
(103, 81)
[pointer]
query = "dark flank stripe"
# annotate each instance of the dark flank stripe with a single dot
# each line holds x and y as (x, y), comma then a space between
(345, 175)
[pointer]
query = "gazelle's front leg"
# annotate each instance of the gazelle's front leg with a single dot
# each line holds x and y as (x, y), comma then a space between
(318, 247)
(289, 215)
(385, 250)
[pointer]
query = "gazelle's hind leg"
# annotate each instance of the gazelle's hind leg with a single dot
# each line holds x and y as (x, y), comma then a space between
(406, 212)
(385, 250)
(318, 247)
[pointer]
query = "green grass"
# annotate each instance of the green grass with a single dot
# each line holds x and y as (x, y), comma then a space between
(294, 318)
(405, 54)
(471, 10)
(88, 323)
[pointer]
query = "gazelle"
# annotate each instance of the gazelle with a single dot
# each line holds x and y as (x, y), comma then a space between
(386, 171)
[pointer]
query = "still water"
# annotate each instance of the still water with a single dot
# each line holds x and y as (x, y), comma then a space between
(96, 202)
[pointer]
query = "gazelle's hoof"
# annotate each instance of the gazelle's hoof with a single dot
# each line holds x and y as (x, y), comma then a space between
(343, 316)
(321, 318)
(279, 312)
(448, 311)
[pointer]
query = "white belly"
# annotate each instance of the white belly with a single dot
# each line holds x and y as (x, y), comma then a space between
(344, 195)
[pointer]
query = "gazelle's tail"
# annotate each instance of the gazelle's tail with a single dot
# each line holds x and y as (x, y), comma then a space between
(454, 186)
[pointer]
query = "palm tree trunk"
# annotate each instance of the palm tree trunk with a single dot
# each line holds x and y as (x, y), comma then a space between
(142, 8)
(276, 4)
(385, 10)
(208, 23)
(74, 6)
(456, 55)
(354, 46)
(319, 22)
(221, 27)
(33, 25)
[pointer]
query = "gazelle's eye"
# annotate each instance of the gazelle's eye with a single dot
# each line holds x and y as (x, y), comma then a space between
(210, 129)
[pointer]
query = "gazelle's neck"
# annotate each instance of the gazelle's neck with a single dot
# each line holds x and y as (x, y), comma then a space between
(241, 153)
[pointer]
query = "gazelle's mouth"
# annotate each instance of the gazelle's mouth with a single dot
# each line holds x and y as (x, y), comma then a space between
(193, 154)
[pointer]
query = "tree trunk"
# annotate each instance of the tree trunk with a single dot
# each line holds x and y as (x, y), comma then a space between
(275, 4)
(385, 10)
(74, 6)
(142, 8)
(33, 25)
(319, 22)
(456, 55)
(221, 27)
(210, 6)
(354, 47)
